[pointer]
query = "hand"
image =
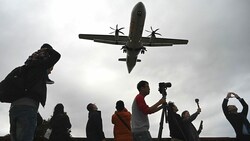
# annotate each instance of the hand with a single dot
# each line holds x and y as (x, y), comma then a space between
(231, 95)
(201, 126)
(235, 95)
(162, 101)
(199, 110)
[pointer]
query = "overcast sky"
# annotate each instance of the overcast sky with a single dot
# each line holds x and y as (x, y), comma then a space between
(215, 61)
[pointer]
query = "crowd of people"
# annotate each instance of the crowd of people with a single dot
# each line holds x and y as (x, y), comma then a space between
(127, 126)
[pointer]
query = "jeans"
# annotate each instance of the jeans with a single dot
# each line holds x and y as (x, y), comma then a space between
(23, 120)
(142, 136)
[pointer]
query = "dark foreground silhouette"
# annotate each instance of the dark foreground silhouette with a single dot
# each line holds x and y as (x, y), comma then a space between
(6, 138)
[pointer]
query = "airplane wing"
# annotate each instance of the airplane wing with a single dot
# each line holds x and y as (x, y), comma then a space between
(146, 41)
(108, 39)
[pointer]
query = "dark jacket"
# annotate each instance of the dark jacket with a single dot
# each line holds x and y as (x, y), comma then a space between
(175, 125)
(237, 120)
(190, 131)
(37, 75)
(94, 130)
(60, 125)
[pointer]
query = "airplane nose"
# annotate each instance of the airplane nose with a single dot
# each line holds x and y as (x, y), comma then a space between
(140, 6)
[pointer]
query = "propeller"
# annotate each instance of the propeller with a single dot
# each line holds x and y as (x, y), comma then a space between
(116, 30)
(153, 32)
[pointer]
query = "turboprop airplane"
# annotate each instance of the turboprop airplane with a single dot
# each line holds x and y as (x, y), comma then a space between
(134, 43)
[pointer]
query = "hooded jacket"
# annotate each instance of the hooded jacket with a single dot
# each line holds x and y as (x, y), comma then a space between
(37, 75)
(94, 130)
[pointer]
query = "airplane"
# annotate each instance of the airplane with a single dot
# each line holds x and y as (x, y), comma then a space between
(134, 43)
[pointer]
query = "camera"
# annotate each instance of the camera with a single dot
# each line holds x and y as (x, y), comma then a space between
(163, 86)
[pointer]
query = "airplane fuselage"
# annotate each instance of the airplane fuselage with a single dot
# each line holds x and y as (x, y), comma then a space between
(134, 44)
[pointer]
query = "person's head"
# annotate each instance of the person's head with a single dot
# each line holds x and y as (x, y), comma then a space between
(91, 107)
(40, 54)
(119, 105)
(143, 87)
(185, 114)
(59, 109)
(173, 106)
(46, 45)
(232, 109)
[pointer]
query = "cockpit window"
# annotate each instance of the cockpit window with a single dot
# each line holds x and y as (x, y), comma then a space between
(139, 13)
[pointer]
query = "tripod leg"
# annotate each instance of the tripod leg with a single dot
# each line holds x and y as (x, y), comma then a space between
(161, 126)
(166, 115)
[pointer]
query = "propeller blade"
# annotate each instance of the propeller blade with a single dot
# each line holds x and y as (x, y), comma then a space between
(158, 34)
(121, 32)
(121, 28)
(151, 28)
(157, 29)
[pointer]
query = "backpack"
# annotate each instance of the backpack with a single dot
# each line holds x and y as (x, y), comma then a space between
(13, 86)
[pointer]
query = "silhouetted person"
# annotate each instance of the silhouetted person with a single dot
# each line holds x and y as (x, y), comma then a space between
(121, 120)
(94, 130)
(189, 129)
(175, 123)
(6, 137)
(140, 111)
(36, 74)
(237, 120)
(60, 125)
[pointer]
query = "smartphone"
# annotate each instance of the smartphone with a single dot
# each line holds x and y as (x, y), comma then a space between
(201, 124)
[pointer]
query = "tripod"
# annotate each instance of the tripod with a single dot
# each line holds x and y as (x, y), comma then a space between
(164, 113)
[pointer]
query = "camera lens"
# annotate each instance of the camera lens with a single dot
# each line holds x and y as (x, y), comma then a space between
(168, 85)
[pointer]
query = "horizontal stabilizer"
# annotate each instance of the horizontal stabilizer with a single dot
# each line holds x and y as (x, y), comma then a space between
(110, 42)
(122, 59)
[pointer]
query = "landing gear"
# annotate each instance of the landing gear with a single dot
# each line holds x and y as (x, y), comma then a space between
(124, 49)
(143, 49)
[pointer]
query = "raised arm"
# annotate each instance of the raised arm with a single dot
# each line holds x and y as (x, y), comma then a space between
(243, 103)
